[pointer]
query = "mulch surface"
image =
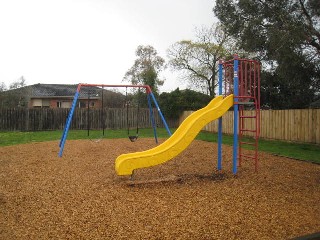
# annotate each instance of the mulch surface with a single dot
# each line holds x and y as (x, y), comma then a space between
(79, 196)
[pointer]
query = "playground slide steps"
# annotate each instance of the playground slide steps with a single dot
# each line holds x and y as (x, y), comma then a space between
(179, 141)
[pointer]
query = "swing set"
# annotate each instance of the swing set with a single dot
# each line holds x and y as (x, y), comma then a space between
(150, 98)
(127, 104)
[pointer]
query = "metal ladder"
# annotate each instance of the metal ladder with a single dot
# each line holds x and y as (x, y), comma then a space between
(249, 123)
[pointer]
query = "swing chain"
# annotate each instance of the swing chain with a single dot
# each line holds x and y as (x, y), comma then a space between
(133, 138)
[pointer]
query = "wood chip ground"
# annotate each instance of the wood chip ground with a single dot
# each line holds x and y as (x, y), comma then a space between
(79, 196)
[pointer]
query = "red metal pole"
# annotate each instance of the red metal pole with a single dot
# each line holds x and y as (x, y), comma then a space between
(147, 87)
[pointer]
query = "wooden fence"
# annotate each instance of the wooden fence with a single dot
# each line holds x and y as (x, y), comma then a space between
(54, 119)
(301, 125)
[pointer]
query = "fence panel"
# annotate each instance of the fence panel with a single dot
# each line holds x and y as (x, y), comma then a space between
(301, 125)
(39, 119)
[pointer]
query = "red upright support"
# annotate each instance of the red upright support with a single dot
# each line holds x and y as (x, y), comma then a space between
(249, 100)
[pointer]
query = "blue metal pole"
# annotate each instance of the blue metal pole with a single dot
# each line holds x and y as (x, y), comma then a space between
(235, 113)
(152, 119)
(161, 115)
(66, 125)
(66, 129)
(220, 121)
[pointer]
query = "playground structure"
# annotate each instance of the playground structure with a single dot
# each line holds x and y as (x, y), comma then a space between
(241, 88)
(150, 98)
(242, 78)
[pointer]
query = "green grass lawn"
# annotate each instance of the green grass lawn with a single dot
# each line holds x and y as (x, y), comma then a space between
(301, 151)
(13, 138)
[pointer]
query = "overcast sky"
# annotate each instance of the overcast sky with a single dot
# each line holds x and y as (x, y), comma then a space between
(91, 41)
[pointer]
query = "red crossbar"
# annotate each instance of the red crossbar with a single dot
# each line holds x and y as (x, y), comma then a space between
(147, 87)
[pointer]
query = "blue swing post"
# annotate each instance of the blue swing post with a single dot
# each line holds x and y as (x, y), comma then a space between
(235, 113)
(151, 96)
(160, 113)
(152, 119)
(69, 119)
(220, 122)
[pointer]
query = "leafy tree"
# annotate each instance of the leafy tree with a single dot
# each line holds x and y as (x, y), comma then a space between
(285, 35)
(113, 99)
(146, 68)
(174, 103)
(21, 82)
(288, 86)
(198, 60)
(2, 87)
(16, 96)
(267, 26)
(2, 96)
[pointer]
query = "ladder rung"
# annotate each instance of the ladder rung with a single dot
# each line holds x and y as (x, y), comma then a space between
(248, 116)
(247, 130)
(247, 156)
(248, 143)
(244, 103)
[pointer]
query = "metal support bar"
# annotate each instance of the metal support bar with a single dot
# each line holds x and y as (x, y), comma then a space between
(248, 116)
(220, 121)
(160, 113)
(235, 114)
(66, 129)
(152, 119)
(248, 143)
(244, 103)
(247, 156)
(247, 130)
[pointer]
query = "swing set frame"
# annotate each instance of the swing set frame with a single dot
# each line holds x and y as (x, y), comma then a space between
(150, 97)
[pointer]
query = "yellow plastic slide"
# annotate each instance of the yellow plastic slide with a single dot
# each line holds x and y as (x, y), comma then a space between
(178, 142)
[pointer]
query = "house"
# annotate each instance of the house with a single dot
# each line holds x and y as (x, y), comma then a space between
(61, 96)
(51, 96)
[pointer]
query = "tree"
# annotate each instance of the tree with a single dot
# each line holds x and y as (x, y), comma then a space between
(274, 24)
(288, 86)
(174, 103)
(21, 82)
(16, 96)
(3, 87)
(285, 35)
(198, 60)
(146, 68)
(113, 98)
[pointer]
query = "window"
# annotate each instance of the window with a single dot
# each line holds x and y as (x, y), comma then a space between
(45, 103)
(37, 103)
(64, 104)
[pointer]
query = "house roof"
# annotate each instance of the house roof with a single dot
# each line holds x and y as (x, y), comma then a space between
(63, 90)
(56, 90)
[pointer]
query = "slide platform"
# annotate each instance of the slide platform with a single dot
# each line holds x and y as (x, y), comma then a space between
(179, 141)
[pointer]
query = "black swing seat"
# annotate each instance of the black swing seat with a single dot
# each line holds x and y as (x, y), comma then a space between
(133, 138)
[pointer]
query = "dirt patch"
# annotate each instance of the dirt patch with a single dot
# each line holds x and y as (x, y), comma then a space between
(79, 196)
